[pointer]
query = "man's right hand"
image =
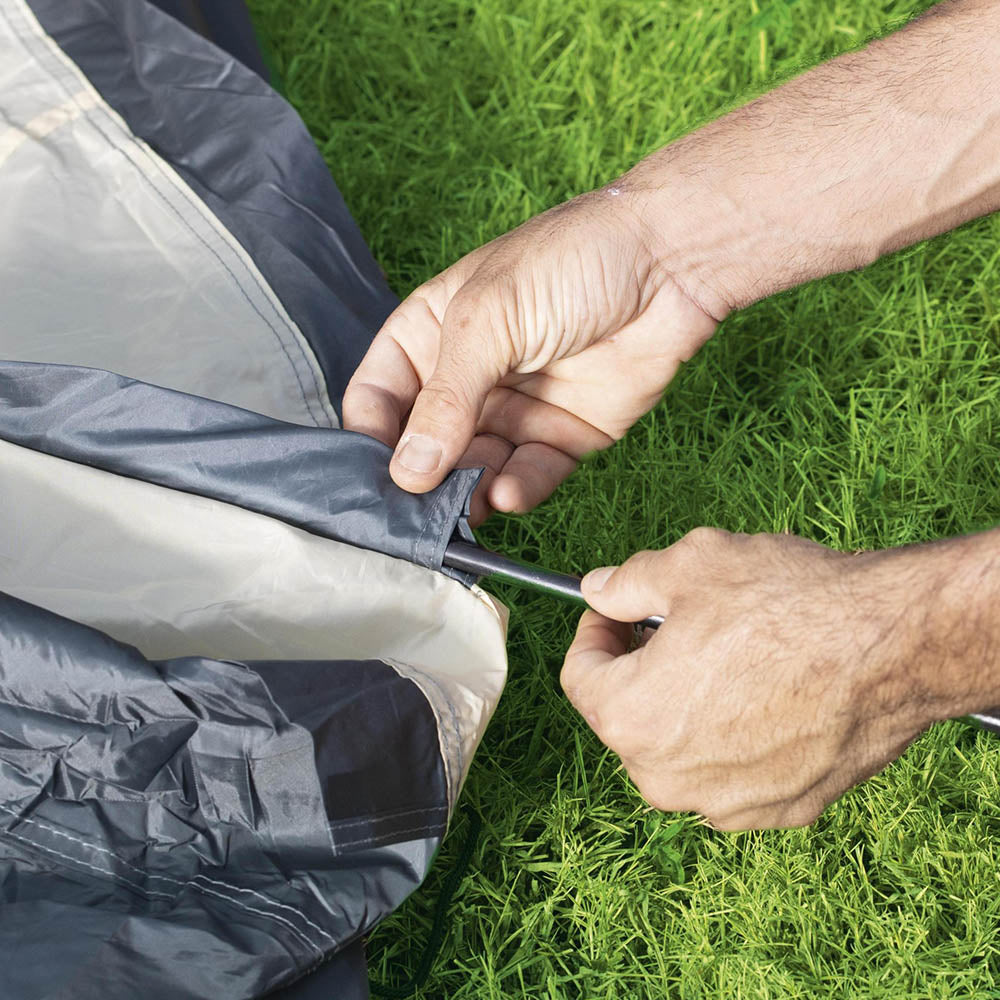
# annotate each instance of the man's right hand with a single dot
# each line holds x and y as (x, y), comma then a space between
(537, 348)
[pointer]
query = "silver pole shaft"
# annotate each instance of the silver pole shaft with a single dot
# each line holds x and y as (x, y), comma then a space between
(472, 559)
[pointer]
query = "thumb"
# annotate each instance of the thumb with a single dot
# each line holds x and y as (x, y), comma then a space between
(630, 592)
(447, 409)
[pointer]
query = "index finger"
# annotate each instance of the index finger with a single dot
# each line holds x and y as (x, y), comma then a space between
(390, 376)
(376, 397)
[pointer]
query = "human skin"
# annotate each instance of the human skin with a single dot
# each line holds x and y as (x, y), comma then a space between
(552, 340)
(785, 672)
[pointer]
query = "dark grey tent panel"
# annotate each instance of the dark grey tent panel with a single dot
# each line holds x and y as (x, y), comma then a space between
(277, 825)
(226, 23)
(334, 483)
(343, 976)
(246, 154)
(238, 697)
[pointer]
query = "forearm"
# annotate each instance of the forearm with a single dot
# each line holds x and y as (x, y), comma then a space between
(935, 649)
(870, 152)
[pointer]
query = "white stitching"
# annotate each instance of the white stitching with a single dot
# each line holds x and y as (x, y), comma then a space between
(77, 861)
(148, 893)
(167, 878)
(385, 817)
(394, 833)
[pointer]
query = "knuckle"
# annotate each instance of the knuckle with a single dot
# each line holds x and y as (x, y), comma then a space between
(472, 310)
(579, 688)
(474, 343)
(640, 565)
(612, 729)
(443, 403)
(353, 401)
(724, 824)
(655, 798)
(704, 536)
(733, 815)
(613, 726)
(406, 318)
(359, 397)
(569, 680)
(657, 794)
(462, 316)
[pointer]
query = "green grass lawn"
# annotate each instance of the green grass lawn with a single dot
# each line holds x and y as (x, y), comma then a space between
(860, 411)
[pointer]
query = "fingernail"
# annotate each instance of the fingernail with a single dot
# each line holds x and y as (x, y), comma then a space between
(419, 453)
(597, 578)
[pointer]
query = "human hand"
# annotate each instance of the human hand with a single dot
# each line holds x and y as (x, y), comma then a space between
(784, 673)
(530, 352)
(551, 340)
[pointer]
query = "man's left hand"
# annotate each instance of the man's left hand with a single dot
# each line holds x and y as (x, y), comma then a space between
(784, 673)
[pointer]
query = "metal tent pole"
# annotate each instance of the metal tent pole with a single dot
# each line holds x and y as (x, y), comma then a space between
(469, 558)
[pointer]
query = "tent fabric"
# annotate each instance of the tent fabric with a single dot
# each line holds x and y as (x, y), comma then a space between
(98, 234)
(218, 836)
(226, 22)
(177, 574)
(238, 696)
(246, 155)
(342, 977)
(335, 484)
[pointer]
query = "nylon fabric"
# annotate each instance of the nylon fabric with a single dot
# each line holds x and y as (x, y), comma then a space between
(168, 819)
(98, 235)
(238, 694)
(226, 22)
(243, 150)
(333, 483)
(176, 575)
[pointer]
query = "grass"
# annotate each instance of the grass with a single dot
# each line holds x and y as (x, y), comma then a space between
(860, 411)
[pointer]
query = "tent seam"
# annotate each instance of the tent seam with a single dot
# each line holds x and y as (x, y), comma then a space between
(383, 817)
(150, 893)
(431, 519)
(167, 878)
(141, 144)
(395, 833)
(201, 239)
(124, 464)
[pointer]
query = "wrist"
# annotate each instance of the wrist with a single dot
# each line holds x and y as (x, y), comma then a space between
(961, 622)
(735, 219)
(854, 159)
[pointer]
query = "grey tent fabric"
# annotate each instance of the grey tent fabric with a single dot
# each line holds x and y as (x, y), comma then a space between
(238, 697)
(342, 977)
(106, 758)
(226, 23)
(334, 483)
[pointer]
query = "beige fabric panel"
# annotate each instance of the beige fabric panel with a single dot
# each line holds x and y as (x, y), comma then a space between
(109, 260)
(176, 574)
